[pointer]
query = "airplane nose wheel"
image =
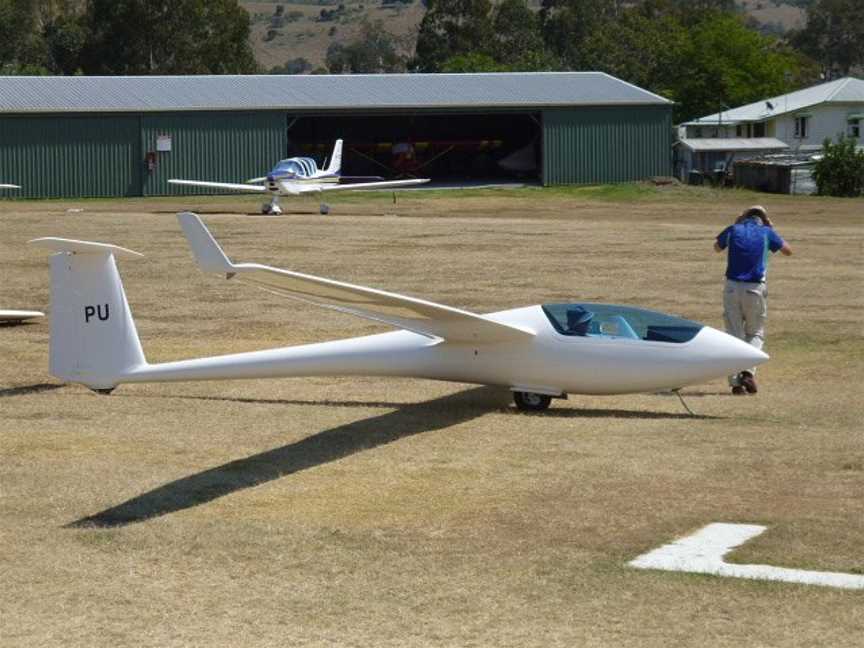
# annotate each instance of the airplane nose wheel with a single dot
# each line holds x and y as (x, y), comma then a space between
(269, 209)
(531, 402)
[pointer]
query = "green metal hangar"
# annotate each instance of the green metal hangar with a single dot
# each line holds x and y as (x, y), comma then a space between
(126, 136)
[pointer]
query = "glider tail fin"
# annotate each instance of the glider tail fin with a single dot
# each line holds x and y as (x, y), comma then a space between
(207, 252)
(335, 165)
(93, 336)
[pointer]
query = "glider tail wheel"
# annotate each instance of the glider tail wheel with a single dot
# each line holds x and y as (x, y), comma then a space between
(531, 402)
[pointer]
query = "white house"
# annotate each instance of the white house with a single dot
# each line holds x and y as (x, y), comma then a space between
(796, 122)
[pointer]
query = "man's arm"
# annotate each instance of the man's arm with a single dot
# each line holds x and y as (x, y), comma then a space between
(722, 240)
(777, 244)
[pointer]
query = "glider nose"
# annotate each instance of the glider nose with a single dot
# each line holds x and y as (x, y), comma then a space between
(729, 351)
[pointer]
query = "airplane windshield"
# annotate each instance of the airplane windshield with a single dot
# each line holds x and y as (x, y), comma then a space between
(286, 167)
(620, 322)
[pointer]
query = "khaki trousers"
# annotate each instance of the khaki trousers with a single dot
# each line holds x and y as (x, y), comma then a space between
(745, 309)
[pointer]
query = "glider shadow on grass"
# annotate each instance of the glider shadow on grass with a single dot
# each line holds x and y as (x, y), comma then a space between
(316, 450)
(24, 390)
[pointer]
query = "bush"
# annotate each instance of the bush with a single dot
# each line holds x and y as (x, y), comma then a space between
(840, 171)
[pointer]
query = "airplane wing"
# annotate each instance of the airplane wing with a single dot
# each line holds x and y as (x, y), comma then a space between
(416, 315)
(9, 186)
(297, 188)
(252, 188)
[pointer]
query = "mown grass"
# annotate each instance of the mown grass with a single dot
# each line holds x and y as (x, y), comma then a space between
(409, 513)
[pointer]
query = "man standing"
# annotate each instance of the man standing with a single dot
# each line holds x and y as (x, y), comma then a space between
(745, 297)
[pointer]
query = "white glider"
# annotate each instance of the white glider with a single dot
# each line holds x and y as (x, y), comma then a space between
(539, 352)
(297, 176)
(18, 316)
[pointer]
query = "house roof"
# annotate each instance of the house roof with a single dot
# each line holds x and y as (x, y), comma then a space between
(318, 92)
(733, 144)
(846, 90)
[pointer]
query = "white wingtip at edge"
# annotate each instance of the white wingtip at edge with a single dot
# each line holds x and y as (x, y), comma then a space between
(208, 253)
(84, 247)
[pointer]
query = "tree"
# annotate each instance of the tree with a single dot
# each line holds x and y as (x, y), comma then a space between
(833, 35)
(474, 62)
(645, 50)
(840, 172)
(725, 64)
(374, 51)
(20, 47)
(517, 38)
(297, 65)
(567, 25)
(508, 37)
(162, 37)
(65, 37)
(451, 28)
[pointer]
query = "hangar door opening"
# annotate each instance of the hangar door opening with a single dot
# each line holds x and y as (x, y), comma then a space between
(468, 147)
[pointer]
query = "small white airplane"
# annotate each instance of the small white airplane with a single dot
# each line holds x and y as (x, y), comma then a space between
(538, 352)
(300, 175)
(9, 186)
(18, 316)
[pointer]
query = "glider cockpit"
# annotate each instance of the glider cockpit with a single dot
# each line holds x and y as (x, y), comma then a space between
(619, 322)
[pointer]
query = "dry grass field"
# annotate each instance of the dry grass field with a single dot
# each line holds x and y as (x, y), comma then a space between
(385, 512)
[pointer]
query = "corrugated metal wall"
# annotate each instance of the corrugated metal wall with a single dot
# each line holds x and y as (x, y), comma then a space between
(225, 147)
(71, 156)
(80, 155)
(606, 144)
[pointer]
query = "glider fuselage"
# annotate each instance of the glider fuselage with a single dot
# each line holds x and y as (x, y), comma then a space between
(549, 362)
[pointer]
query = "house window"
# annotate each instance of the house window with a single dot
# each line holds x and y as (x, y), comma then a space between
(801, 127)
(854, 127)
(738, 131)
(759, 129)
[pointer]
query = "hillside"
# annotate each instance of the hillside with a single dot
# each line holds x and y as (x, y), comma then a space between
(305, 29)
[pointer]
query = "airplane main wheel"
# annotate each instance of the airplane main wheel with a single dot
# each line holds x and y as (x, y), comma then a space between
(531, 402)
(276, 210)
(265, 208)
(324, 209)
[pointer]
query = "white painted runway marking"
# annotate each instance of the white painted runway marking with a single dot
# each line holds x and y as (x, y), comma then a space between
(703, 552)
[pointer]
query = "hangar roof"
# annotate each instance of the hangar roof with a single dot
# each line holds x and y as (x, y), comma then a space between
(36, 94)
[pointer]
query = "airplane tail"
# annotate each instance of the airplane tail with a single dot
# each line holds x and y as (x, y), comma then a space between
(93, 336)
(335, 165)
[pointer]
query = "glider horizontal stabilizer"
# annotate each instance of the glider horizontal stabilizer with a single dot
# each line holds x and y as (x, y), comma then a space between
(409, 313)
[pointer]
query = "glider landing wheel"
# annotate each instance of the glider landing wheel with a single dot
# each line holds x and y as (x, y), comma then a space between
(324, 209)
(531, 402)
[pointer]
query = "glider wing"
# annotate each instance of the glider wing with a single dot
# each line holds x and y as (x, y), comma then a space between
(409, 313)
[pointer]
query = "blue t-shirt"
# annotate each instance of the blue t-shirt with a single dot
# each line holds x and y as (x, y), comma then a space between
(748, 243)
